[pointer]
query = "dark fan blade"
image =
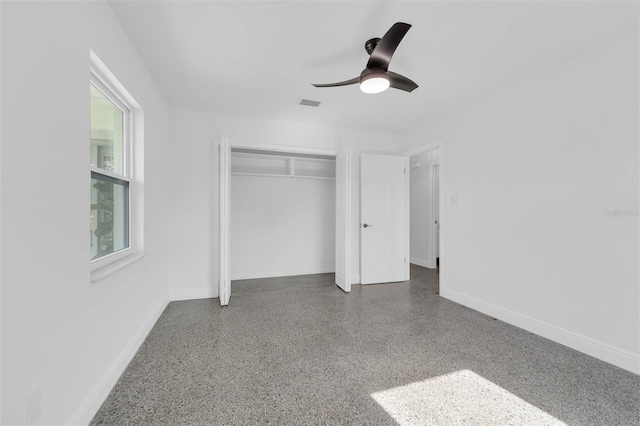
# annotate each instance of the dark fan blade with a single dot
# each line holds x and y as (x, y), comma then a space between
(401, 82)
(381, 55)
(342, 83)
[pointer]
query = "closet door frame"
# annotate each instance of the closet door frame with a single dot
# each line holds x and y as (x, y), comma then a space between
(224, 190)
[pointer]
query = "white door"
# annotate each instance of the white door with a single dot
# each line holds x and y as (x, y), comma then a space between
(343, 220)
(224, 167)
(382, 218)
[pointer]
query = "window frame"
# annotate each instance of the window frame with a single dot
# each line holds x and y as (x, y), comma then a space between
(105, 82)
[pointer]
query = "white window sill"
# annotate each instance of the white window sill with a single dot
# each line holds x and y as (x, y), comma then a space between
(105, 271)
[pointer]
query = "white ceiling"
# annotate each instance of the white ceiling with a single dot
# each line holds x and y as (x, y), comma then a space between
(258, 58)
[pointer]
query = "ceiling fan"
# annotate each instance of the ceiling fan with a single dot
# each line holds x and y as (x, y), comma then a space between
(376, 77)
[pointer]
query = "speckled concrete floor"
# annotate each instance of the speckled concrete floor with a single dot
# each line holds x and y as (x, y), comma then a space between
(300, 351)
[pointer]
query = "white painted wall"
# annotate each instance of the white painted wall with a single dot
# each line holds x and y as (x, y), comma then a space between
(281, 226)
(61, 333)
(535, 166)
(194, 210)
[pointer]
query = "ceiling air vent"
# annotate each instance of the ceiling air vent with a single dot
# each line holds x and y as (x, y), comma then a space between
(308, 102)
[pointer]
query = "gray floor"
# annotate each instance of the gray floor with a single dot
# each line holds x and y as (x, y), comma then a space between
(300, 351)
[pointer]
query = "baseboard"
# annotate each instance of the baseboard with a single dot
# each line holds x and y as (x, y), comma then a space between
(287, 273)
(594, 348)
(211, 292)
(92, 403)
(355, 279)
(194, 293)
(421, 262)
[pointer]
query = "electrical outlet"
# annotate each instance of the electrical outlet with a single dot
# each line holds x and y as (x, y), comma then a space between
(34, 406)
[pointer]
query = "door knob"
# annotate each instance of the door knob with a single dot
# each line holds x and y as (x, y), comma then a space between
(366, 225)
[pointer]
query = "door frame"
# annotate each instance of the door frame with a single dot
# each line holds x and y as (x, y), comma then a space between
(346, 210)
(223, 219)
(432, 213)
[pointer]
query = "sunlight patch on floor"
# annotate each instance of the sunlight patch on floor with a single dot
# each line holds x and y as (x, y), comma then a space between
(462, 397)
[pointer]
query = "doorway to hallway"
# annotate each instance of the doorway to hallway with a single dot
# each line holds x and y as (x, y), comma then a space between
(425, 206)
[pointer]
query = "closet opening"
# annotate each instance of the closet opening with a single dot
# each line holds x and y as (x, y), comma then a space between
(282, 218)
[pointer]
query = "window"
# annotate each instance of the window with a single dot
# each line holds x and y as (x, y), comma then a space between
(112, 159)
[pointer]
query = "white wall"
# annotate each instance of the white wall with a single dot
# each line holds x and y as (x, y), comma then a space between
(281, 226)
(194, 211)
(60, 332)
(535, 166)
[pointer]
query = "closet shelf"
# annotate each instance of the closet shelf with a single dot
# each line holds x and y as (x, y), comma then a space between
(282, 176)
(265, 165)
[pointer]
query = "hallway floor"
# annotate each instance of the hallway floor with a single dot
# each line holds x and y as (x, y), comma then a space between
(297, 350)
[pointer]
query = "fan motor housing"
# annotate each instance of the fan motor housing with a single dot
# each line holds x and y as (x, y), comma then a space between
(365, 72)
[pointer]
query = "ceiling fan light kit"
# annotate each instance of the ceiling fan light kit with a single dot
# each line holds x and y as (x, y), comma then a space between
(376, 77)
(374, 82)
